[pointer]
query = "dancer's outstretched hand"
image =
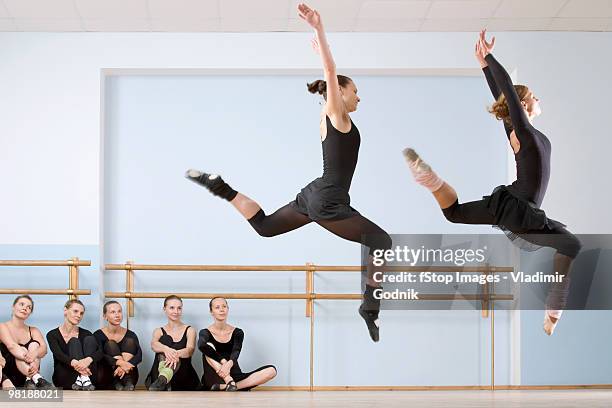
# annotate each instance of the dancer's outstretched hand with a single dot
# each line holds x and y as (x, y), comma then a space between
(309, 15)
(480, 53)
(487, 46)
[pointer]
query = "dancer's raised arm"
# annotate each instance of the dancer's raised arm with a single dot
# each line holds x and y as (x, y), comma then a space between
(335, 105)
(516, 109)
(481, 52)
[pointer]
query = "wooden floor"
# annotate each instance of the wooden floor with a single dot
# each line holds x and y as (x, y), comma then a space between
(353, 399)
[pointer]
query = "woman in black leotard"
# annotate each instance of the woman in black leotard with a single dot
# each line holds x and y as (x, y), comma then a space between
(23, 347)
(75, 351)
(220, 345)
(173, 345)
(122, 353)
(326, 200)
(515, 208)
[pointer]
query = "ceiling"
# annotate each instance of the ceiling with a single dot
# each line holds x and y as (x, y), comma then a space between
(280, 15)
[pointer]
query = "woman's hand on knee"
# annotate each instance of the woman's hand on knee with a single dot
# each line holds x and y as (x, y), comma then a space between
(171, 364)
(34, 367)
(125, 366)
(30, 356)
(119, 372)
(171, 355)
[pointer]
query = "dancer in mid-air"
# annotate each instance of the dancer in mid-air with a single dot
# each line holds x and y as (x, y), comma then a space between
(326, 199)
(515, 208)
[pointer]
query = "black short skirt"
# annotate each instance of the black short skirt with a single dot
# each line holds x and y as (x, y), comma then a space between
(518, 217)
(321, 200)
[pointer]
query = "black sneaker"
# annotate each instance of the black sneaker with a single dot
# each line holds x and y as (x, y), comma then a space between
(43, 384)
(29, 385)
(231, 386)
(159, 385)
(371, 319)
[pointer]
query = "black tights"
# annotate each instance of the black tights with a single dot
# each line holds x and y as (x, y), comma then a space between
(567, 244)
(128, 345)
(78, 350)
(357, 228)
(476, 212)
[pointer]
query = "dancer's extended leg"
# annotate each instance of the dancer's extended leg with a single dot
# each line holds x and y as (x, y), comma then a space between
(283, 220)
(360, 229)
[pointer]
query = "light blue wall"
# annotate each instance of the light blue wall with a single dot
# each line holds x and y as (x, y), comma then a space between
(261, 134)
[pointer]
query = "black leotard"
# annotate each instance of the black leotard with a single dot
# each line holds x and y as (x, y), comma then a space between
(327, 197)
(185, 377)
(27, 344)
(218, 351)
(340, 153)
(533, 158)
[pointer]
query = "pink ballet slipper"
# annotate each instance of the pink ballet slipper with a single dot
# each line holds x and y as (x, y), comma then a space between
(549, 325)
(421, 171)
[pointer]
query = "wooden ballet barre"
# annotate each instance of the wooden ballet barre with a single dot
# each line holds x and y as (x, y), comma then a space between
(73, 265)
(422, 296)
(75, 292)
(161, 295)
(310, 269)
(432, 268)
(69, 262)
(206, 268)
(294, 296)
(299, 268)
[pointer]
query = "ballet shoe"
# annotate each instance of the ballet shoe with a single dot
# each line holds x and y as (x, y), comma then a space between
(160, 384)
(549, 325)
(421, 171)
(212, 182)
(371, 321)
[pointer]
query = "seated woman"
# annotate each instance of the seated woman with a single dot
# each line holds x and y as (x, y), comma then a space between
(221, 344)
(75, 351)
(5, 382)
(173, 345)
(23, 347)
(122, 353)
